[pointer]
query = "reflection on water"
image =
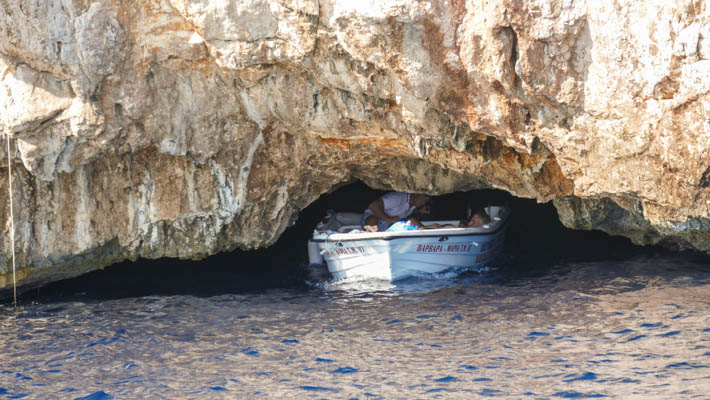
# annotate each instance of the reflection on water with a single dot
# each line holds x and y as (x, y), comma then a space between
(634, 328)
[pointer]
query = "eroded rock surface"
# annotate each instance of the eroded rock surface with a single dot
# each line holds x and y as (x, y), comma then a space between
(181, 128)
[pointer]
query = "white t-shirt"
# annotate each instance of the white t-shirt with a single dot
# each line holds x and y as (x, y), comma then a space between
(396, 205)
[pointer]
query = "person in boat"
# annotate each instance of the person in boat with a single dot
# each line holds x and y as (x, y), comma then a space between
(477, 220)
(392, 207)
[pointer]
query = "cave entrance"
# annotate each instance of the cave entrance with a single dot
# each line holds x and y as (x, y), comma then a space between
(535, 229)
(535, 236)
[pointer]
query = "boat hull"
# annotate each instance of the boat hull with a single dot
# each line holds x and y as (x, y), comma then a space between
(402, 257)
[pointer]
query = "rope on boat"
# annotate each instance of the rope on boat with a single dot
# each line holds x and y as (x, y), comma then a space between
(12, 219)
(327, 240)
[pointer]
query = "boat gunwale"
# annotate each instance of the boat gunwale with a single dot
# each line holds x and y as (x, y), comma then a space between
(442, 232)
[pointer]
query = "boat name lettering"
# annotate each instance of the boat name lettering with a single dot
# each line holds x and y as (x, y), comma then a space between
(452, 248)
(342, 251)
(438, 248)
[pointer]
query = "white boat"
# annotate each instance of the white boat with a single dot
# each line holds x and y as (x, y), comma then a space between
(350, 252)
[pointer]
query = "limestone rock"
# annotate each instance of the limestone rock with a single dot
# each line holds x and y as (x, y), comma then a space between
(182, 128)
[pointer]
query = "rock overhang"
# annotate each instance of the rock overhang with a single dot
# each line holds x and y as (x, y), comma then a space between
(182, 129)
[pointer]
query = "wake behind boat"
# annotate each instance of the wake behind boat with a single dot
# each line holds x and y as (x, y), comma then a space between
(349, 252)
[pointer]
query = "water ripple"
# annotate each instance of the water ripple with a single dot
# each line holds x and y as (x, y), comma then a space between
(575, 330)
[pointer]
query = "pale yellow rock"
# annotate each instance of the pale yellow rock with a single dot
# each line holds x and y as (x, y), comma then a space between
(182, 128)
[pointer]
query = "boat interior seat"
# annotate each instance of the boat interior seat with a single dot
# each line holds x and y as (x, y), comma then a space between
(340, 222)
(349, 218)
(349, 228)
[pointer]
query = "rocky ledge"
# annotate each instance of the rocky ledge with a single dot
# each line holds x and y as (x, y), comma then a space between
(182, 128)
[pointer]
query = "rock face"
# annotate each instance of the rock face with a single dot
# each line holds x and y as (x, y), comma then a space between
(181, 128)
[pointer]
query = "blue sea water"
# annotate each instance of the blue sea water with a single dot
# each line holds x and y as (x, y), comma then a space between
(631, 327)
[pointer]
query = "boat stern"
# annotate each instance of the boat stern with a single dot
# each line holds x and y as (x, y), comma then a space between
(314, 254)
(357, 259)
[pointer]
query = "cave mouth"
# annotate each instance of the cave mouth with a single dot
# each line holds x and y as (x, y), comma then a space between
(535, 237)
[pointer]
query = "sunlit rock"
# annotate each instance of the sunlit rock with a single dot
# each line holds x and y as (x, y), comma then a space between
(182, 128)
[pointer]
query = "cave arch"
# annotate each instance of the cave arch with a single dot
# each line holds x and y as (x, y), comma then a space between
(535, 236)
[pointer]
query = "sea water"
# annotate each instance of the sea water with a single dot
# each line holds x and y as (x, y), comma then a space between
(629, 327)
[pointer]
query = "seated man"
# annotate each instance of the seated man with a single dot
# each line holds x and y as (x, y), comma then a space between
(392, 207)
(478, 219)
